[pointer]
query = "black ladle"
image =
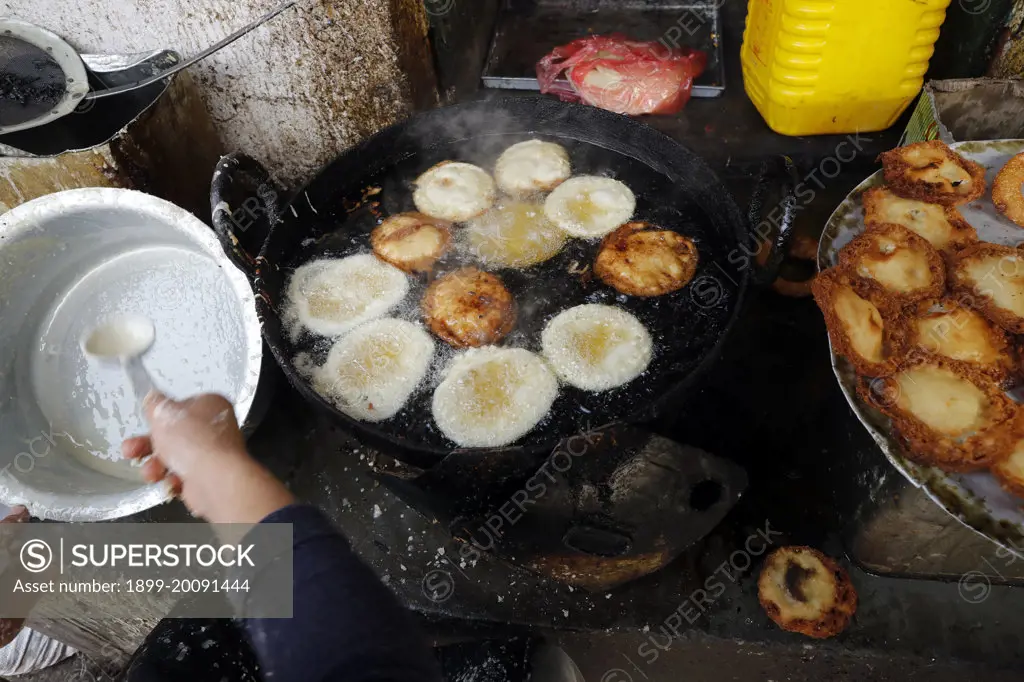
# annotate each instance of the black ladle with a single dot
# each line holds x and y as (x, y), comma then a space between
(68, 72)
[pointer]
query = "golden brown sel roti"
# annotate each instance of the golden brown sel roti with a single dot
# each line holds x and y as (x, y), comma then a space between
(1006, 190)
(1010, 471)
(804, 591)
(469, 308)
(862, 328)
(454, 190)
(942, 226)
(411, 241)
(990, 279)
(947, 416)
(895, 263)
(932, 172)
(638, 259)
(948, 329)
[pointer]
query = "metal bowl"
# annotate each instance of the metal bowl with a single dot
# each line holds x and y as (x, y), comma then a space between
(69, 260)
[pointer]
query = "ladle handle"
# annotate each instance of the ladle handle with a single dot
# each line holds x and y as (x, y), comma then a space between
(96, 94)
(139, 378)
(778, 173)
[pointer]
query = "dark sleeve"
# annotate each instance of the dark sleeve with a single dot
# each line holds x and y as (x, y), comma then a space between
(346, 624)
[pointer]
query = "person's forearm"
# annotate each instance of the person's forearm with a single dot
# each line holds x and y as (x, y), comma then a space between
(243, 491)
(346, 625)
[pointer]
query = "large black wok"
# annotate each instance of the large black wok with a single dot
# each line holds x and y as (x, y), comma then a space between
(333, 215)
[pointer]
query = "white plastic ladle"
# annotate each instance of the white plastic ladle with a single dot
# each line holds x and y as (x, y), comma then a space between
(124, 339)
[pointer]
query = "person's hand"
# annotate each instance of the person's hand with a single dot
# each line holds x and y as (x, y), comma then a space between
(199, 450)
(10, 627)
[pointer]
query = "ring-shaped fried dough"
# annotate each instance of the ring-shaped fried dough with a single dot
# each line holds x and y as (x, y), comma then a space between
(804, 591)
(947, 416)
(412, 242)
(895, 263)
(863, 329)
(1007, 193)
(1010, 471)
(469, 308)
(932, 172)
(639, 259)
(948, 329)
(455, 191)
(990, 279)
(942, 226)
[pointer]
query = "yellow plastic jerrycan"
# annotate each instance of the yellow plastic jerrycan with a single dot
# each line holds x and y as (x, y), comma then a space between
(837, 66)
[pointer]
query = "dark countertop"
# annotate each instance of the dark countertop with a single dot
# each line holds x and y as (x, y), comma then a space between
(724, 130)
(770, 404)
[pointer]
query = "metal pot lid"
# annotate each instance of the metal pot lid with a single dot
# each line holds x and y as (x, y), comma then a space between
(41, 76)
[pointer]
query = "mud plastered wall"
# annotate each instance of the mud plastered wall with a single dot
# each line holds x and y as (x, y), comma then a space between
(293, 93)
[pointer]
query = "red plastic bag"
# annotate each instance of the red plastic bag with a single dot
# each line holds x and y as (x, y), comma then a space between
(622, 75)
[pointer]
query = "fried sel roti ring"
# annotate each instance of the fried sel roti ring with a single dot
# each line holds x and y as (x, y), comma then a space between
(947, 416)
(990, 279)
(469, 308)
(455, 191)
(1007, 194)
(412, 242)
(862, 327)
(947, 329)
(639, 259)
(932, 172)
(1010, 471)
(942, 226)
(895, 263)
(804, 591)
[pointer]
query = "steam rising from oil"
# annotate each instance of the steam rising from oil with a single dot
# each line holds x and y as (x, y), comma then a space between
(541, 291)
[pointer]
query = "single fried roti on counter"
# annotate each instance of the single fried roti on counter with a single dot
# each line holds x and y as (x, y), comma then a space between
(895, 263)
(412, 242)
(1007, 194)
(942, 226)
(804, 591)
(990, 279)
(949, 329)
(469, 308)
(947, 416)
(932, 172)
(638, 259)
(861, 327)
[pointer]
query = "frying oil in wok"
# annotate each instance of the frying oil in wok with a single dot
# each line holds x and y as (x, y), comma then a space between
(682, 327)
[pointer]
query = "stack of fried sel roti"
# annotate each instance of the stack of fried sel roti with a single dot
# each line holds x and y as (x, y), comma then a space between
(928, 315)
